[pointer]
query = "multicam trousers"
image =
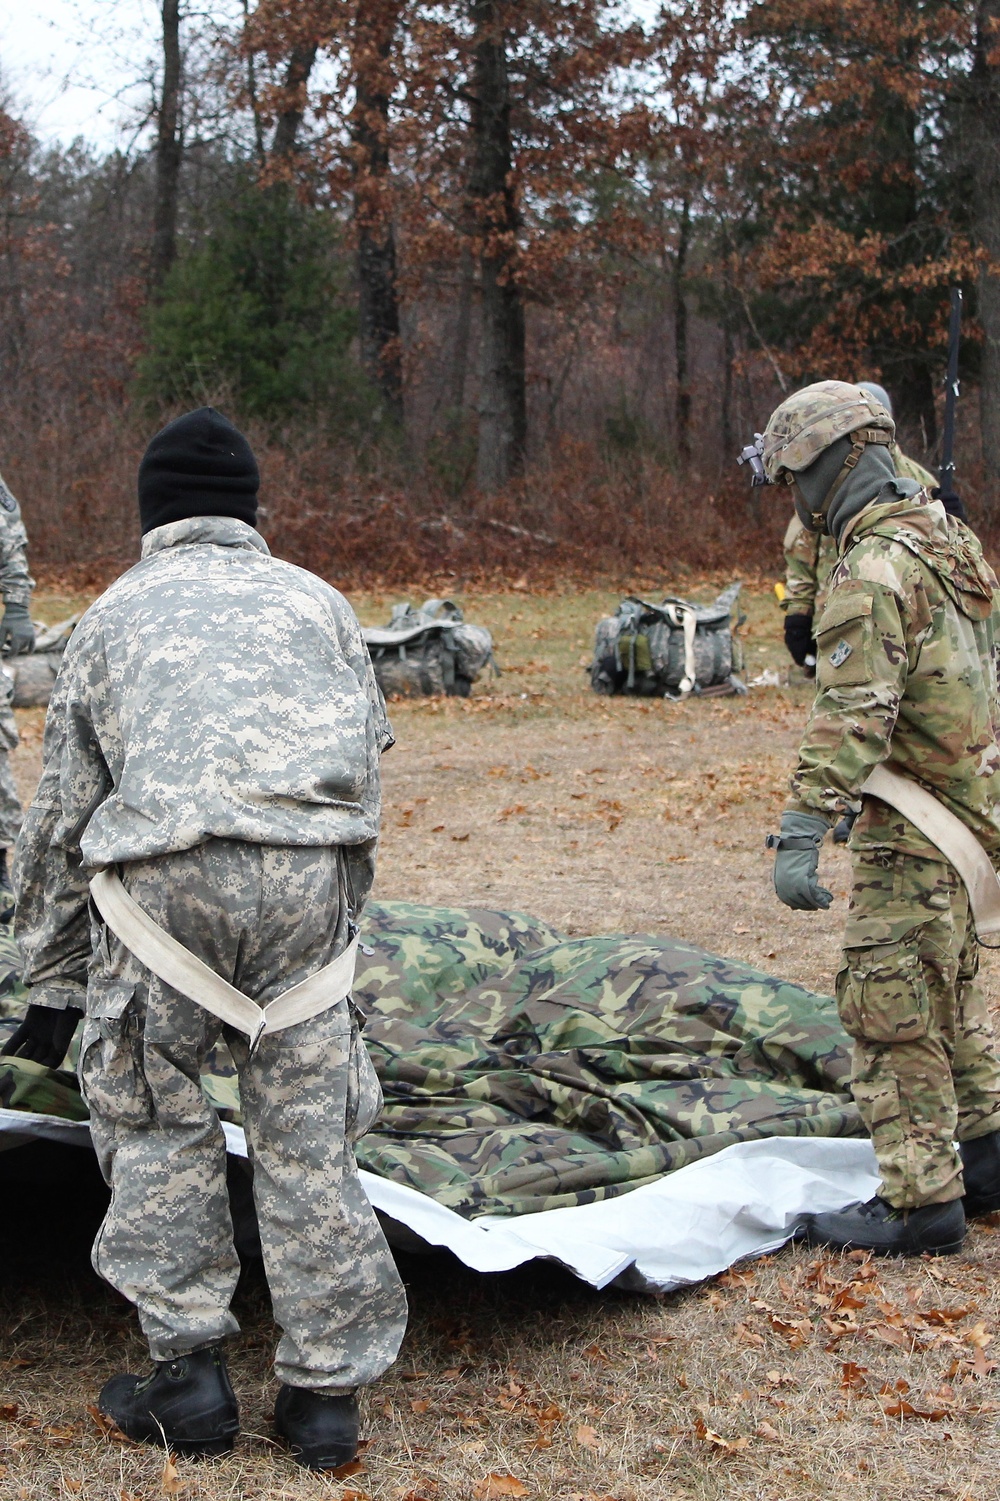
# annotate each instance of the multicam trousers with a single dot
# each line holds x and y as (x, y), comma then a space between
(264, 918)
(925, 1066)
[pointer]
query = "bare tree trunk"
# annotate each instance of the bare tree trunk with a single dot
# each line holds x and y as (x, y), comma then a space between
(916, 411)
(258, 125)
(502, 398)
(168, 149)
(294, 88)
(728, 445)
(378, 302)
(985, 158)
(460, 349)
(682, 405)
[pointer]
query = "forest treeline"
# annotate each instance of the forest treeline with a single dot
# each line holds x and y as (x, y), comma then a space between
(505, 284)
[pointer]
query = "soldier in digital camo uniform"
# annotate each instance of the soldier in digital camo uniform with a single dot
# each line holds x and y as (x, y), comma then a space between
(214, 734)
(905, 669)
(17, 634)
(810, 557)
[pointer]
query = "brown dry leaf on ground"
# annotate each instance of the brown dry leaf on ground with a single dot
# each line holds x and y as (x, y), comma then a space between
(495, 1486)
(171, 1483)
(709, 1436)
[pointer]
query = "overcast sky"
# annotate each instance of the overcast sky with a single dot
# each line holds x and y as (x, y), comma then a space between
(71, 66)
(76, 67)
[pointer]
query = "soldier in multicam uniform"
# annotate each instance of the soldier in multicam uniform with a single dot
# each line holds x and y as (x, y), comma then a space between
(810, 558)
(905, 669)
(17, 634)
(214, 734)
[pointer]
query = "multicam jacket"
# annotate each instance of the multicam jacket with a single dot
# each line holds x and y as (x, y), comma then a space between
(810, 557)
(213, 691)
(16, 582)
(906, 670)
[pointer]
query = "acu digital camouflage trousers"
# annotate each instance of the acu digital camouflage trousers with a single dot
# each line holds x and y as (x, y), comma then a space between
(925, 1068)
(10, 806)
(264, 918)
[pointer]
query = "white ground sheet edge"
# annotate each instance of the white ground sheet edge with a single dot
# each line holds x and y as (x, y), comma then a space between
(744, 1201)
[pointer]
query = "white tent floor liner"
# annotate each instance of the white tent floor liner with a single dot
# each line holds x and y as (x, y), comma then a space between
(744, 1201)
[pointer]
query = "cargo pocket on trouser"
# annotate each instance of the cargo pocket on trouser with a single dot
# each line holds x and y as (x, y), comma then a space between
(901, 1079)
(111, 1075)
(364, 1092)
(882, 993)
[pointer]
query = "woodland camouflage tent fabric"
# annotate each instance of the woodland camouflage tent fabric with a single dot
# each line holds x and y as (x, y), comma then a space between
(525, 1071)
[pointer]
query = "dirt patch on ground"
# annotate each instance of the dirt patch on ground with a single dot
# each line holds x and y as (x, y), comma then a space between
(800, 1377)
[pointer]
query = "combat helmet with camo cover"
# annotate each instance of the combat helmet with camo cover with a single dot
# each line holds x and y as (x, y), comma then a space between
(810, 421)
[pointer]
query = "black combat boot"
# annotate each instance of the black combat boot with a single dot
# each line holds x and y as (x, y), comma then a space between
(938, 1229)
(6, 890)
(321, 1427)
(187, 1403)
(981, 1171)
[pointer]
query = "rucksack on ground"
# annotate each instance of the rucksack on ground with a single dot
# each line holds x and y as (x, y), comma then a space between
(671, 649)
(428, 651)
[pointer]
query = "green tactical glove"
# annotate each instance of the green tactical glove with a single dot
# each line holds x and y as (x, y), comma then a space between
(797, 861)
(17, 634)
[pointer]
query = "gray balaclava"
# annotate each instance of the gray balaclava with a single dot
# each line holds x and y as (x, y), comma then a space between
(873, 479)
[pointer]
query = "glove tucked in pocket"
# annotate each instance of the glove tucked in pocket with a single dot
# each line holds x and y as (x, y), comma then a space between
(882, 993)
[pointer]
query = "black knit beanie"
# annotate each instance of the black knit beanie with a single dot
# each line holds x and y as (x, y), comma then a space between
(198, 465)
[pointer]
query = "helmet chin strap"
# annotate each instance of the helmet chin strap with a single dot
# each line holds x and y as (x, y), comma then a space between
(860, 439)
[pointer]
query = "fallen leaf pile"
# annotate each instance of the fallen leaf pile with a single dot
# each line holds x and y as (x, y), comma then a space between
(823, 1306)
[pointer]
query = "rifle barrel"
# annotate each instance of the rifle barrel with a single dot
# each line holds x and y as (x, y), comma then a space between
(947, 475)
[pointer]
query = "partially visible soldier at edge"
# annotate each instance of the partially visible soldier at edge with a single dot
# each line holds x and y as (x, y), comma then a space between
(214, 736)
(810, 556)
(905, 670)
(17, 635)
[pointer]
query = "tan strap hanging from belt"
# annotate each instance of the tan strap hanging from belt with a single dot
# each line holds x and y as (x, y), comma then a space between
(950, 835)
(177, 967)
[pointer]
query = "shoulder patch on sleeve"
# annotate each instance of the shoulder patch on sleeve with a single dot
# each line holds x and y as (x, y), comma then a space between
(845, 638)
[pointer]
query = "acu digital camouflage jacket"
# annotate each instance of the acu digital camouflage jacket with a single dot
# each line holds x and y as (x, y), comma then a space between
(16, 582)
(212, 691)
(906, 670)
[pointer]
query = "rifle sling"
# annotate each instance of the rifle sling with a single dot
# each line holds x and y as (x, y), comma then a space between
(950, 835)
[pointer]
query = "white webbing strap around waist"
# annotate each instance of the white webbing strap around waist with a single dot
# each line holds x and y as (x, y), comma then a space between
(950, 835)
(178, 967)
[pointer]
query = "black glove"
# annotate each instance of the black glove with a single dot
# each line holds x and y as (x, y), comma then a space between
(953, 504)
(17, 634)
(842, 828)
(44, 1036)
(799, 638)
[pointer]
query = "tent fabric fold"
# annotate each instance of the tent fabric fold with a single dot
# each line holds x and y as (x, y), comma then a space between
(524, 1071)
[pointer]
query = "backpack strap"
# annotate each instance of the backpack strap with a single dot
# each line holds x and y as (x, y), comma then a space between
(684, 618)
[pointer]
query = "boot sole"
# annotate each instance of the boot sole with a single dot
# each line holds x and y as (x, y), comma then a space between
(202, 1449)
(952, 1248)
(191, 1448)
(320, 1461)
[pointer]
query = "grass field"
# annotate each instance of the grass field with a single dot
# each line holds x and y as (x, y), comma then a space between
(800, 1376)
